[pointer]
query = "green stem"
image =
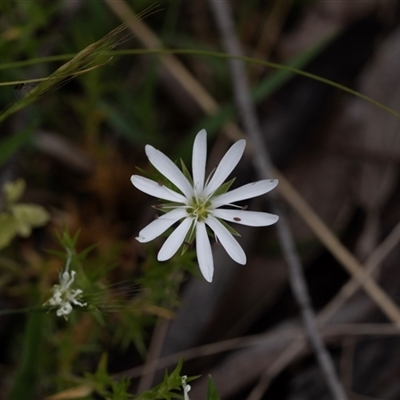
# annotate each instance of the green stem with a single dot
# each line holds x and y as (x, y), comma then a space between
(25, 310)
(206, 53)
(25, 382)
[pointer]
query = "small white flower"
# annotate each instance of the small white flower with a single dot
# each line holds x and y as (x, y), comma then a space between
(186, 388)
(198, 204)
(63, 295)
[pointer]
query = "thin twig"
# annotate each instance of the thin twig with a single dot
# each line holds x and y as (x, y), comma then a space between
(272, 339)
(153, 354)
(372, 263)
(263, 165)
(347, 361)
(292, 351)
(338, 250)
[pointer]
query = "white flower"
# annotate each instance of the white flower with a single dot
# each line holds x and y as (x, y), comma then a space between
(186, 388)
(63, 295)
(198, 204)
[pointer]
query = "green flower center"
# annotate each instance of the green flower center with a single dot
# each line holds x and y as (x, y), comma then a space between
(199, 208)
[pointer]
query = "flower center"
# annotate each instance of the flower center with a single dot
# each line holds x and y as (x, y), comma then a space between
(199, 208)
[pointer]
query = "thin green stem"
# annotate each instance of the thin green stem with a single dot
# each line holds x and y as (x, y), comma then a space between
(34, 61)
(24, 310)
(204, 53)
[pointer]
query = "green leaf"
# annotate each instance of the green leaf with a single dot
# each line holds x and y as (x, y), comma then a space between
(66, 240)
(186, 172)
(224, 188)
(101, 372)
(190, 236)
(212, 393)
(8, 229)
(29, 216)
(231, 230)
(13, 191)
(26, 379)
(103, 382)
(166, 389)
(19, 219)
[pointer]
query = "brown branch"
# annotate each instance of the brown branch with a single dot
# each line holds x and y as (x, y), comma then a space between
(272, 339)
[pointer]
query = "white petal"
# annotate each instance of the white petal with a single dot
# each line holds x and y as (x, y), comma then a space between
(227, 240)
(204, 253)
(226, 166)
(166, 167)
(175, 240)
(160, 225)
(199, 160)
(155, 189)
(248, 191)
(250, 218)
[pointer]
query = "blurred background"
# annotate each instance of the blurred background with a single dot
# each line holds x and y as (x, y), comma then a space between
(86, 139)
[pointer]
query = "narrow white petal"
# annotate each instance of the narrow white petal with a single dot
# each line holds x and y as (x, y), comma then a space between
(166, 167)
(227, 240)
(248, 191)
(199, 160)
(250, 218)
(175, 240)
(160, 225)
(226, 166)
(204, 253)
(155, 189)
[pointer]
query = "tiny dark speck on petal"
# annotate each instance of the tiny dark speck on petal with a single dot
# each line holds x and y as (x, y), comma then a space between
(236, 219)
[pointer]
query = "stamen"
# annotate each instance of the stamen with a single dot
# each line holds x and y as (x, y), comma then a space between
(234, 205)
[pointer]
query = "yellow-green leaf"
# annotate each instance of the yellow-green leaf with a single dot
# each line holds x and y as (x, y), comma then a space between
(13, 191)
(8, 229)
(29, 216)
